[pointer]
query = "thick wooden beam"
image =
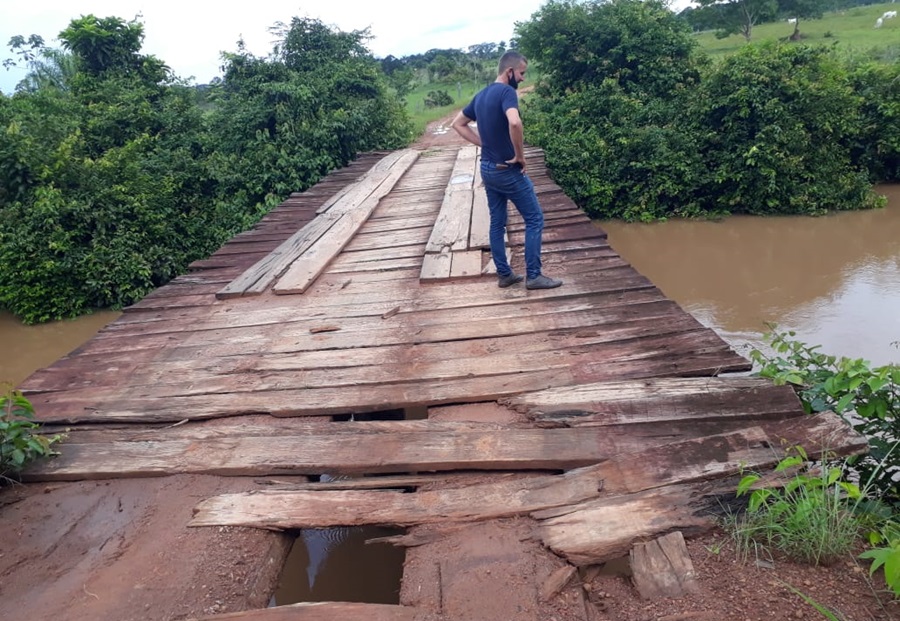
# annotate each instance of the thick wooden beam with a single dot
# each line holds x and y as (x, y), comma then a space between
(290, 509)
(663, 398)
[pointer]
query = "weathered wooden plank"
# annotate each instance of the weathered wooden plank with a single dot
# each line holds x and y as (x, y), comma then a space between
(657, 399)
(593, 328)
(323, 611)
(306, 268)
(479, 236)
(436, 266)
(257, 278)
(451, 229)
(679, 354)
(183, 361)
(386, 452)
(351, 301)
(289, 509)
(465, 264)
(667, 464)
(404, 450)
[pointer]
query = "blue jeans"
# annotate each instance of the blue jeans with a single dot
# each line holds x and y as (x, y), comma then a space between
(510, 184)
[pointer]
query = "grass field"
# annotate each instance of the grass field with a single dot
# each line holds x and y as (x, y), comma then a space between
(852, 30)
(461, 93)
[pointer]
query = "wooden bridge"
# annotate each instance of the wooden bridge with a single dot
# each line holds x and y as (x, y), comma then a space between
(358, 330)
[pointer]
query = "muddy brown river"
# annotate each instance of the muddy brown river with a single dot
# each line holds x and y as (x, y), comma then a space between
(835, 280)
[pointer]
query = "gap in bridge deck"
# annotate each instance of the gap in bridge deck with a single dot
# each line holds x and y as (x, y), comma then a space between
(337, 565)
(414, 412)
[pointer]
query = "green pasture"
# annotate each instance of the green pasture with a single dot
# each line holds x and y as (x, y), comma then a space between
(851, 30)
(461, 92)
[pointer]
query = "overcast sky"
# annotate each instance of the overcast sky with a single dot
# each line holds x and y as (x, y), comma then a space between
(190, 36)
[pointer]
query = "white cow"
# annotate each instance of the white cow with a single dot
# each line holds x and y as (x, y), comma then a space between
(879, 22)
(889, 14)
(792, 20)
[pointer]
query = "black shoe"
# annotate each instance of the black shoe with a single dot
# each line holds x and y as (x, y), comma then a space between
(543, 282)
(509, 280)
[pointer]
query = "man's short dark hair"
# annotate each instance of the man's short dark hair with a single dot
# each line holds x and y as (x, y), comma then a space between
(510, 60)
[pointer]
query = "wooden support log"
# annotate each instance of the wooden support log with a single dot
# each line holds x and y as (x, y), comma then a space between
(662, 568)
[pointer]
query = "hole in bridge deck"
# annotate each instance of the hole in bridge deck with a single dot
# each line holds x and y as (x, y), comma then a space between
(337, 565)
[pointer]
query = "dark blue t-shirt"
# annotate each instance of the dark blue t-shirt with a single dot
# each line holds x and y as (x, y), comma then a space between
(488, 109)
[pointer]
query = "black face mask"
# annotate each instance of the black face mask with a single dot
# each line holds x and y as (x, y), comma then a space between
(512, 80)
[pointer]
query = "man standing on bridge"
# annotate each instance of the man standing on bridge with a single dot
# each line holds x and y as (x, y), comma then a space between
(500, 135)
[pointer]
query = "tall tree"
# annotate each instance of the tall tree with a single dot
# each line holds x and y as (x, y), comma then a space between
(110, 45)
(737, 16)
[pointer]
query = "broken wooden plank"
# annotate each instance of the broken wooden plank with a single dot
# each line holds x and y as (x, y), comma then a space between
(322, 611)
(620, 473)
(313, 261)
(662, 568)
(607, 528)
(290, 509)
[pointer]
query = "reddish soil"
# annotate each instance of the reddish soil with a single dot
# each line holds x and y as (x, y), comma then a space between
(120, 550)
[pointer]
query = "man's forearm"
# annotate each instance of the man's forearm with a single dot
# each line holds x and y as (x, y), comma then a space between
(517, 135)
(462, 127)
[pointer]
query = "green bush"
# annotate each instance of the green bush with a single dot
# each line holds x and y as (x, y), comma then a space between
(878, 148)
(619, 155)
(809, 518)
(19, 442)
(436, 99)
(869, 399)
(777, 124)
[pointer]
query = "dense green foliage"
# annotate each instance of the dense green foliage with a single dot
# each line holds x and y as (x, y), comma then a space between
(641, 125)
(113, 178)
(281, 123)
